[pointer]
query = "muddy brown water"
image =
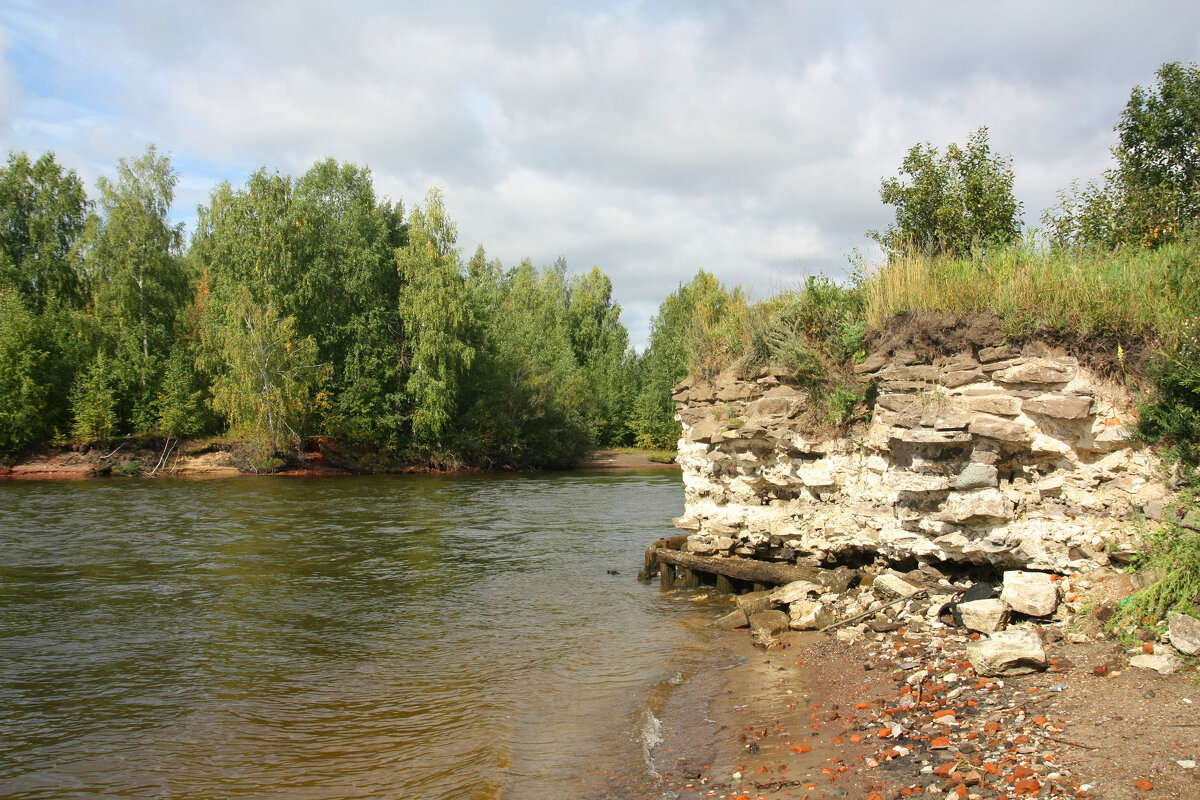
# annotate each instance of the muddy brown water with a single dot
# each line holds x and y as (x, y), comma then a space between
(391, 637)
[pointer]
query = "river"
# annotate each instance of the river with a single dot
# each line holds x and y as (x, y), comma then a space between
(383, 637)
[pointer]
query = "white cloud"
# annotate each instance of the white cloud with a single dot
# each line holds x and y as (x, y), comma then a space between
(652, 139)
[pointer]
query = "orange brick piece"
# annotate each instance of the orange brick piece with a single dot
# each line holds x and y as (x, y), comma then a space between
(1143, 785)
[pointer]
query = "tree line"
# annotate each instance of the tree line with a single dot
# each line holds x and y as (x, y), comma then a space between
(300, 307)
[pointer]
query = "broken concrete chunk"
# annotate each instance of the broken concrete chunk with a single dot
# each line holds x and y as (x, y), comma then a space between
(1011, 652)
(772, 622)
(1031, 593)
(1185, 633)
(889, 587)
(985, 616)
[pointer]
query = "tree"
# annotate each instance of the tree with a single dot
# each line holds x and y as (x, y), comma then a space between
(94, 402)
(1153, 192)
(691, 331)
(135, 262)
(24, 388)
(42, 214)
(266, 378)
(951, 203)
(601, 344)
(437, 318)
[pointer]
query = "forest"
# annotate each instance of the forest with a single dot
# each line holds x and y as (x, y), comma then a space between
(311, 307)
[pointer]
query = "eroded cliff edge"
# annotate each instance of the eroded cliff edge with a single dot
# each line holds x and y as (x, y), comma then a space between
(975, 453)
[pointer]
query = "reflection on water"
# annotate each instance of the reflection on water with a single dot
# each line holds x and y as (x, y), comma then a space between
(369, 637)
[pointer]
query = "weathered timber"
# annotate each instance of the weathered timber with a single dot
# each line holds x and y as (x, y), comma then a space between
(666, 574)
(651, 565)
(724, 585)
(743, 569)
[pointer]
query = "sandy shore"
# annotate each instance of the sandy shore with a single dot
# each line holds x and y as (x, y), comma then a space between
(819, 718)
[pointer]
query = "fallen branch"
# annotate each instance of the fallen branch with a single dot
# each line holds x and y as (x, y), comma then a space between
(869, 612)
(1068, 741)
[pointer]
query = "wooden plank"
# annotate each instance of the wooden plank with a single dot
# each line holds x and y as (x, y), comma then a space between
(743, 569)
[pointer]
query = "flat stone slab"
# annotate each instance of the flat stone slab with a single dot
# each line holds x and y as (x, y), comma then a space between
(1011, 652)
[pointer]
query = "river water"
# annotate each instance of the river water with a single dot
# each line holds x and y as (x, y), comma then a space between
(390, 637)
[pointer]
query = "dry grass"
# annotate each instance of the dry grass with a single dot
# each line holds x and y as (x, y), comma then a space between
(1135, 292)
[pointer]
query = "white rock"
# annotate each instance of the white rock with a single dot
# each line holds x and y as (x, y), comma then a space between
(985, 616)
(889, 587)
(977, 505)
(1162, 663)
(1185, 633)
(796, 590)
(1032, 593)
(805, 615)
(1011, 652)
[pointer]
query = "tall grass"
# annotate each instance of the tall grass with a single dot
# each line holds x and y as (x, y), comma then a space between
(1134, 292)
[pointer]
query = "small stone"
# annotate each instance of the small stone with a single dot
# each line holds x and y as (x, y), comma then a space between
(889, 587)
(985, 616)
(796, 590)
(731, 621)
(1162, 663)
(1031, 593)
(806, 615)
(1011, 652)
(1185, 633)
(753, 602)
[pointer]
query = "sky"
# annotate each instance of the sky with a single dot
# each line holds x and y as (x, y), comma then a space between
(650, 139)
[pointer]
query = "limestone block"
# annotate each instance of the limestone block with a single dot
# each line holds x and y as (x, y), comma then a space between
(806, 615)
(1002, 430)
(795, 591)
(731, 621)
(772, 622)
(985, 616)
(977, 505)
(905, 481)
(1050, 486)
(1185, 633)
(752, 603)
(1037, 371)
(921, 373)
(816, 474)
(1162, 663)
(900, 403)
(889, 587)
(989, 354)
(1011, 652)
(1059, 406)
(1032, 593)
(873, 363)
(1004, 405)
(955, 378)
(975, 476)
(929, 437)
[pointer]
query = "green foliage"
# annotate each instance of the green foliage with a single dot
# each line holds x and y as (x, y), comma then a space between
(266, 378)
(24, 385)
(699, 326)
(94, 402)
(182, 406)
(42, 213)
(841, 404)
(951, 203)
(1153, 193)
(1171, 417)
(437, 317)
(1174, 554)
(134, 265)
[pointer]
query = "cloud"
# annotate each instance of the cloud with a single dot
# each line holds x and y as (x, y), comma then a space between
(651, 139)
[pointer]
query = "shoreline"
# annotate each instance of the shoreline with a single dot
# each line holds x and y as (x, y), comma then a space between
(141, 461)
(822, 716)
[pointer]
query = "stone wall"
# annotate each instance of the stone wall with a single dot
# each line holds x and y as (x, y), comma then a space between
(1015, 458)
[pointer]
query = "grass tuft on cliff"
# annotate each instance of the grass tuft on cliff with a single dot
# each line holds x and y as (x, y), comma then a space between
(1133, 291)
